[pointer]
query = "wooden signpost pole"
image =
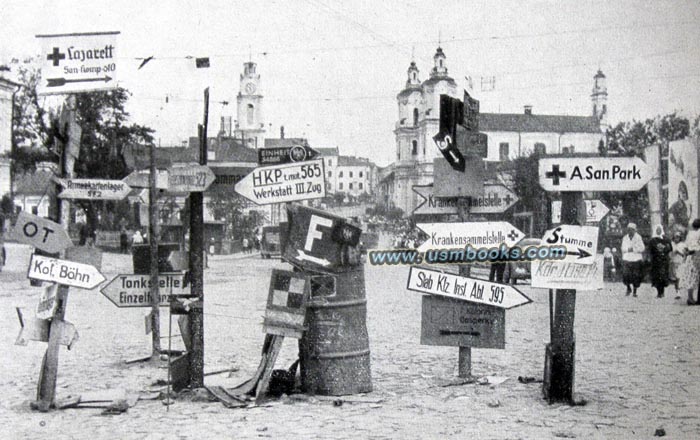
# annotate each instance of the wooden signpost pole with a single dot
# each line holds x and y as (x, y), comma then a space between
(562, 362)
(464, 364)
(46, 389)
(197, 265)
(153, 241)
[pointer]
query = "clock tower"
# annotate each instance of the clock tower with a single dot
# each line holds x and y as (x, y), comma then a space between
(250, 128)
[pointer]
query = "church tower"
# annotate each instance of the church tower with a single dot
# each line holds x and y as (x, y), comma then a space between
(599, 98)
(250, 128)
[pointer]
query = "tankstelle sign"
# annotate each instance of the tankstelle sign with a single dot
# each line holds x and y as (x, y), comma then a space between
(78, 62)
(593, 174)
(134, 290)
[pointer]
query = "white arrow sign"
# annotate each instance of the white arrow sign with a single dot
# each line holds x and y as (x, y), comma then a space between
(189, 177)
(93, 189)
(595, 211)
(593, 174)
(581, 242)
(134, 290)
(41, 233)
(476, 234)
(468, 289)
(78, 62)
(141, 179)
(284, 183)
(496, 199)
(68, 273)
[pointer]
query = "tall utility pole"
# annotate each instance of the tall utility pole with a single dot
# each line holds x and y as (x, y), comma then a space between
(153, 241)
(197, 264)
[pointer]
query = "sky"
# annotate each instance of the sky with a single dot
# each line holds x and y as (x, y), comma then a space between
(330, 71)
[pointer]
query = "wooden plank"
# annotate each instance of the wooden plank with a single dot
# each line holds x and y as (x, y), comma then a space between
(270, 358)
(225, 398)
(49, 374)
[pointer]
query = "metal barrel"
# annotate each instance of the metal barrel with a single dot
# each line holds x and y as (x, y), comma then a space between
(334, 349)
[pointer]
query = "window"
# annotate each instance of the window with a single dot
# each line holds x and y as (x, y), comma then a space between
(503, 151)
(250, 114)
(540, 148)
(35, 210)
(350, 185)
(330, 173)
(340, 186)
(340, 174)
(414, 147)
(415, 117)
(360, 173)
(361, 186)
(568, 150)
(350, 173)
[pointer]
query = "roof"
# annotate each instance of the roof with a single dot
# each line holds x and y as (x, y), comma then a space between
(284, 142)
(327, 151)
(226, 149)
(352, 161)
(36, 183)
(538, 123)
(408, 90)
(436, 79)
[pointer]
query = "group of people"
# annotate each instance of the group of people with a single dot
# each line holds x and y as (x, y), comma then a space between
(673, 261)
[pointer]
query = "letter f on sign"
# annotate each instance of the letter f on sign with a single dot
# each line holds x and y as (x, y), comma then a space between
(315, 233)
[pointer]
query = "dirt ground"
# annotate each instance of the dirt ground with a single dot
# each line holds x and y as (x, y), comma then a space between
(637, 367)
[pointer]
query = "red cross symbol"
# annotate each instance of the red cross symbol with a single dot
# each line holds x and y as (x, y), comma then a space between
(507, 199)
(56, 56)
(555, 174)
(512, 234)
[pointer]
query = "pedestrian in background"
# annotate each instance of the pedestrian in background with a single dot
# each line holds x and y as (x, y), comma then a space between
(617, 258)
(660, 250)
(632, 259)
(245, 245)
(691, 273)
(609, 267)
(137, 238)
(678, 252)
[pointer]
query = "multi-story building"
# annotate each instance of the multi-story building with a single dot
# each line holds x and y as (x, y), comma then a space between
(509, 135)
(250, 128)
(351, 175)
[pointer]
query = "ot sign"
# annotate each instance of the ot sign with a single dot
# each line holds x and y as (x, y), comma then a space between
(41, 233)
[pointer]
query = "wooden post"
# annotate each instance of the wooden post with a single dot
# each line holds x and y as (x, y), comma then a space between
(464, 363)
(153, 241)
(562, 363)
(46, 388)
(197, 265)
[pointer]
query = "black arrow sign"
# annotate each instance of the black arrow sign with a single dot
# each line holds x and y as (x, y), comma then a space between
(581, 253)
(58, 82)
(457, 332)
(282, 155)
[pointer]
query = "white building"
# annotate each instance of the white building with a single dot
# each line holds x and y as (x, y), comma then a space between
(509, 135)
(250, 128)
(348, 174)
(7, 90)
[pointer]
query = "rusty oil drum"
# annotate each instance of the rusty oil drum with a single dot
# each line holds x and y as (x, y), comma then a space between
(334, 350)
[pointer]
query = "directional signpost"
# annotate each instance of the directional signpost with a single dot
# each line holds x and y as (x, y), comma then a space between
(476, 234)
(595, 211)
(67, 273)
(189, 177)
(140, 179)
(281, 155)
(568, 275)
(284, 183)
(439, 283)
(496, 199)
(93, 189)
(593, 174)
(79, 62)
(581, 242)
(134, 290)
(41, 233)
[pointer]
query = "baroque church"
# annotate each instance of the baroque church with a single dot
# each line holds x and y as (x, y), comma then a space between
(509, 135)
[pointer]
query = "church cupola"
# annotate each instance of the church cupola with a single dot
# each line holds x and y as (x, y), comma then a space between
(412, 80)
(439, 66)
(599, 99)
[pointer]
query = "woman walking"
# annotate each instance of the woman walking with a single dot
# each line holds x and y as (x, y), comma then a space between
(678, 252)
(691, 273)
(660, 249)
